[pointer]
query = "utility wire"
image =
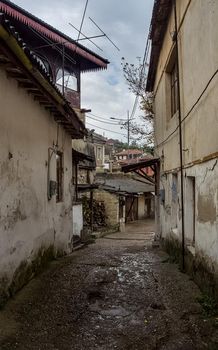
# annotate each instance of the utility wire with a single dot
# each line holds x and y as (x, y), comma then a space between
(97, 116)
(115, 132)
(145, 56)
(102, 121)
(190, 110)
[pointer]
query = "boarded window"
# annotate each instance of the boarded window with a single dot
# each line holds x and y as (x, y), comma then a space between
(59, 176)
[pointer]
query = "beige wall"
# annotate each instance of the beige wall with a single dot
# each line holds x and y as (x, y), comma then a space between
(28, 221)
(198, 61)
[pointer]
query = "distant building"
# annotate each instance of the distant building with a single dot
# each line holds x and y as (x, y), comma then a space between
(99, 148)
(125, 198)
(128, 154)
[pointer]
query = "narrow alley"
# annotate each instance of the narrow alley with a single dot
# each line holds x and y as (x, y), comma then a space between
(118, 293)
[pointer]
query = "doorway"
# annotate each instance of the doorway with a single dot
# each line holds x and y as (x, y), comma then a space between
(190, 209)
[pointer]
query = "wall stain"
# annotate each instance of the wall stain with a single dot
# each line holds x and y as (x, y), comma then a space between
(206, 208)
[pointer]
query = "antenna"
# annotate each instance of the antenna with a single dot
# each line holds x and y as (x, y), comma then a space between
(104, 33)
(84, 12)
(85, 37)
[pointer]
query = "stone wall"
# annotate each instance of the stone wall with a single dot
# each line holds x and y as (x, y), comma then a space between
(111, 202)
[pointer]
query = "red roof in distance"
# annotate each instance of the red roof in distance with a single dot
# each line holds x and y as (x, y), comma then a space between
(129, 151)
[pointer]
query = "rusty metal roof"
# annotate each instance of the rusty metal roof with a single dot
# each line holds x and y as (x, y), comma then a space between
(159, 21)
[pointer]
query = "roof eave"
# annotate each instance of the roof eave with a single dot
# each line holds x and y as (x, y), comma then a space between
(27, 18)
(159, 21)
(51, 98)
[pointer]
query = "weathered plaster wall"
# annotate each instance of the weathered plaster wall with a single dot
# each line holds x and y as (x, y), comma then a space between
(205, 212)
(198, 61)
(111, 202)
(28, 221)
(196, 69)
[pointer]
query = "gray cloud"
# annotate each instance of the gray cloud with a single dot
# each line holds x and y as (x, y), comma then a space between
(126, 22)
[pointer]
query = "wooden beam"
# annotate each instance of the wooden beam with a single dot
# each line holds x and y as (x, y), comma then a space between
(149, 178)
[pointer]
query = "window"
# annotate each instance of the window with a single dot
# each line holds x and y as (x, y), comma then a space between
(174, 89)
(59, 176)
(70, 80)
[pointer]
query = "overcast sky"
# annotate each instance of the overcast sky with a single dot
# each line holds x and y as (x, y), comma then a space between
(126, 22)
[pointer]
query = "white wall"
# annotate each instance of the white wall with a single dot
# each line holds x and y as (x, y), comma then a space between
(28, 221)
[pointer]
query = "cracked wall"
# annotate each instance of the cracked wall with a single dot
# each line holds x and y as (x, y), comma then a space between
(199, 111)
(28, 221)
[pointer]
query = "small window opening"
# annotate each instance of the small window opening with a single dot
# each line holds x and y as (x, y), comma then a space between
(70, 80)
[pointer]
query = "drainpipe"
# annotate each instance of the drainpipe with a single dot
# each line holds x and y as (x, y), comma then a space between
(180, 139)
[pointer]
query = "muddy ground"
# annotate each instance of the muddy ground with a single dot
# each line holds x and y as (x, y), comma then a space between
(119, 293)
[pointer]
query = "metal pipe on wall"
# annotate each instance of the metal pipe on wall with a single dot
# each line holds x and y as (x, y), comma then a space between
(180, 137)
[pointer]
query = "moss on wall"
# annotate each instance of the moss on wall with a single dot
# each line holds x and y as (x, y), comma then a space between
(201, 269)
(26, 271)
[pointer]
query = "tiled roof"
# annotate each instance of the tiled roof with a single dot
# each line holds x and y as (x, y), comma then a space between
(129, 151)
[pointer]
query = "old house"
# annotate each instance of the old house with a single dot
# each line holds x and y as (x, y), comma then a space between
(128, 154)
(37, 124)
(125, 198)
(183, 77)
(99, 147)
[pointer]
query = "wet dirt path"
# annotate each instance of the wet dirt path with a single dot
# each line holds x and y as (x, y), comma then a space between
(118, 293)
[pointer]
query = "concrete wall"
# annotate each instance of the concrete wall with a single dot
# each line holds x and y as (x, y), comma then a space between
(198, 28)
(29, 222)
(111, 202)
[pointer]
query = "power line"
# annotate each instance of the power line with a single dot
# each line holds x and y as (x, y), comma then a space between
(145, 56)
(102, 121)
(190, 110)
(97, 116)
(115, 132)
